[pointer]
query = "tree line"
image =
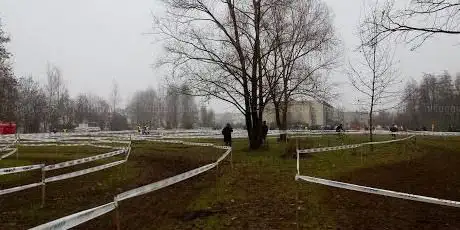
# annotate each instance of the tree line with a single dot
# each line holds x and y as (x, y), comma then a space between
(433, 100)
(36, 107)
(171, 108)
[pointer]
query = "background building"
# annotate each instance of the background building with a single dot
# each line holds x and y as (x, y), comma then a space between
(301, 114)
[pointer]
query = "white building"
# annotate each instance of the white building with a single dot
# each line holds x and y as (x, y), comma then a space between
(304, 114)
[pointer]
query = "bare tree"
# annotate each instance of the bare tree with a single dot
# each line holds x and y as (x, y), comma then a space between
(215, 47)
(55, 88)
(303, 46)
(203, 116)
(373, 76)
(188, 108)
(8, 83)
(144, 108)
(32, 105)
(419, 20)
(114, 96)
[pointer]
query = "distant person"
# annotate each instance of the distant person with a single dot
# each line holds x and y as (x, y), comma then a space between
(339, 128)
(264, 132)
(227, 132)
(393, 130)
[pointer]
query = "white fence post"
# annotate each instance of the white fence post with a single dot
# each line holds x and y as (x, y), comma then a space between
(43, 186)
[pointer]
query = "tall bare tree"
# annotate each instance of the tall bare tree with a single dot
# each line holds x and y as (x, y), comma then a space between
(374, 75)
(31, 105)
(8, 83)
(188, 108)
(55, 89)
(418, 20)
(114, 96)
(223, 49)
(304, 46)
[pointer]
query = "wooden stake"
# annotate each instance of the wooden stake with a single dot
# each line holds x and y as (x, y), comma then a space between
(231, 158)
(43, 187)
(17, 146)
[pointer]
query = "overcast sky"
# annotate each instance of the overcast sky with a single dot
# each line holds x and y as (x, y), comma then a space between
(94, 42)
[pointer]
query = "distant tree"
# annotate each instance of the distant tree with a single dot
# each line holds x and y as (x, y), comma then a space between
(145, 108)
(92, 109)
(203, 116)
(114, 96)
(172, 103)
(31, 105)
(118, 122)
(374, 75)
(211, 118)
(189, 109)
(55, 89)
(8, 83)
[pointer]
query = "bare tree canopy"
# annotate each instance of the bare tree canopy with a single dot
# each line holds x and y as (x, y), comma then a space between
(8, 83)
(374, 75)
(225, 49)
(304, 48)
(419, 20)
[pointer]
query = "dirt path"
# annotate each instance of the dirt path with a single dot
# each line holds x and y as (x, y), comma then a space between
(436, 174)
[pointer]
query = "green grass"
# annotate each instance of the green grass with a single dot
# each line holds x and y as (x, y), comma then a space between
(264, 179)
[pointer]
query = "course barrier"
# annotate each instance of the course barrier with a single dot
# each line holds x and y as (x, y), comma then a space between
(365, 189)
(378, 191)
(352, 146)
(44, 180)
(86, 215)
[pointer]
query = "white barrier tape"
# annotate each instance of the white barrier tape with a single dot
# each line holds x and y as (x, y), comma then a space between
(8, 154)
(83, 172)
(8, 146)
(103, 146)
(325, 149)
(222, 147)
(35, 145)
(83, 160)
(382, 192)
(163, 183)
(198, 144)
(390, 141)
(221, 158)
(112, 141)
(4, 171)
(19, 188)
(77, 218)
(127, 155)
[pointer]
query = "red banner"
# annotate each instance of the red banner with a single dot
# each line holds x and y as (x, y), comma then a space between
(7, 128)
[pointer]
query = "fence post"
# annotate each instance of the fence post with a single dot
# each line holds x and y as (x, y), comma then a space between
(117, 214)
(217, 182)
(56, 146)
(231, 157)
(17, 146)
(43, 186)
(296, 144)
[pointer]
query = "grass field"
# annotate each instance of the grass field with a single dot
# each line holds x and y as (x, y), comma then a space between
(258, 193)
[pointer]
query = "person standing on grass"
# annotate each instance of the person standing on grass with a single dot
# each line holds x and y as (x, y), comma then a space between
(227, 132)
(339, 128)
(393, 130)
(264, 132)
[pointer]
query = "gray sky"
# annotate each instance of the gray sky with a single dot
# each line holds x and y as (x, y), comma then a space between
(96, 41)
